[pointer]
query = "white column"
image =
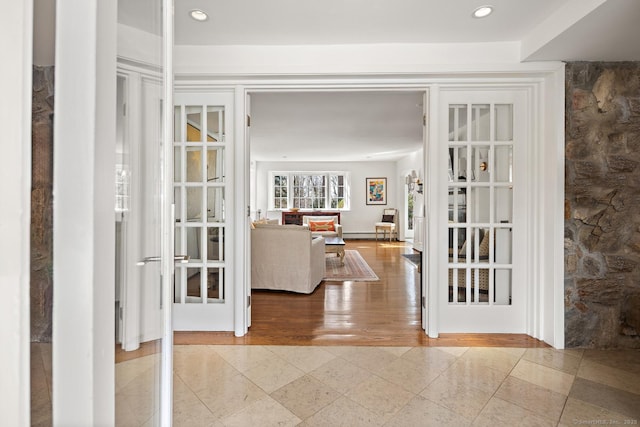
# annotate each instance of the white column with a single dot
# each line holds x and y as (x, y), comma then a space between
(84, 234)
(16, 27)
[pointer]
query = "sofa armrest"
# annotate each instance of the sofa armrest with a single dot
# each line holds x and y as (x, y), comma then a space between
(338, 229)
(318, 262)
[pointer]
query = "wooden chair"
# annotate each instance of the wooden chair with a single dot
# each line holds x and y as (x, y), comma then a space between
(388, 224)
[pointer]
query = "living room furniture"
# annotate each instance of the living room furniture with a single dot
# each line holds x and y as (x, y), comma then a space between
(388, 224)
(335, 245)
(290, 217)
(325, 226)
(286, 258)
(483, 273)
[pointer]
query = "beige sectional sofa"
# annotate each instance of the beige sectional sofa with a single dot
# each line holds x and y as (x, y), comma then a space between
(287, 258)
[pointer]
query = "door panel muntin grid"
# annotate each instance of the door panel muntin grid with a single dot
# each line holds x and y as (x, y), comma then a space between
(480, 203)
(199, 195)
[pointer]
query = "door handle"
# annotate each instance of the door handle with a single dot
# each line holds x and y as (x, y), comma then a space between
(178, 258)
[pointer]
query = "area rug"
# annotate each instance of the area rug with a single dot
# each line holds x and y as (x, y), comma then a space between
(355, 268)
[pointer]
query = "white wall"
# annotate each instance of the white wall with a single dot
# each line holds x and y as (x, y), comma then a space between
(359, 220)
(411, 162)
(15, 184)
(354, 58)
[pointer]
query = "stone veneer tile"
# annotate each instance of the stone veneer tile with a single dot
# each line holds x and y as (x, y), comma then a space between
(613, 377)
(125, 415)
(493, 358)
(230, 395)
(343, 412)
(420, 411)
(552, 358)
(125, 372)
(436, 359)
(304, 358)
(181, 390)
(273, 373)
(263, 412)
(380, 396)
(455, 351)
(626, 360)
(408, 375)
(201, 368)
(305, 396)
(188, 410)
(541, 401)
(340, 374)
(607, 397)
(396, 351)
(461, 398)
(139, 395)
(512, 351)
(243, 357)
(501, 413)
(577, 412)
(471, 373)
(369, 358)
(543, 376)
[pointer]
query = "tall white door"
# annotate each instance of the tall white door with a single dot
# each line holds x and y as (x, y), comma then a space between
(481, 211)
(138, 185)
(203, 293)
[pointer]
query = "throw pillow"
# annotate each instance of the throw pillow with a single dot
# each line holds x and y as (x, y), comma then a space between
(387, 218)
(322, 226)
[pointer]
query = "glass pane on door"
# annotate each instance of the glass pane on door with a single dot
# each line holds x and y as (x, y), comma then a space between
(199, 196)
(480, 203)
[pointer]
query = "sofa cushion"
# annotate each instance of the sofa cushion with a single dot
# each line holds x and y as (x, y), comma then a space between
(322, 226)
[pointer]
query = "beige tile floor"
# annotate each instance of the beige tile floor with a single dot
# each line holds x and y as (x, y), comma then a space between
(383, 386)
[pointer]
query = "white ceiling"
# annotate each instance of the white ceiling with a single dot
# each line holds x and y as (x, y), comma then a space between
(285, 22)
(374, 126)
(589, 30)
(335, 126)
(377, 125)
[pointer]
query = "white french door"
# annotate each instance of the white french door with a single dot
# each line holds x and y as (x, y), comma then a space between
(482, 211)
(203, 293)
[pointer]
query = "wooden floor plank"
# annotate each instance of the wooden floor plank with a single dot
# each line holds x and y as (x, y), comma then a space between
(377, 313)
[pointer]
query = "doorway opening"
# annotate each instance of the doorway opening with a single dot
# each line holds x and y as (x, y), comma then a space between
(362, 133)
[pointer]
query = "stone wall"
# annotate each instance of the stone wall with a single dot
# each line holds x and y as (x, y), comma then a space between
(42, 204)
(602, 192)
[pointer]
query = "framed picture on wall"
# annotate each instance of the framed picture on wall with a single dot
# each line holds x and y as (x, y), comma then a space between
(376, 191)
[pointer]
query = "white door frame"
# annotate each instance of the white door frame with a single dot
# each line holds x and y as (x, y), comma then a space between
(83, 213)
(545, 313)
(15, 216)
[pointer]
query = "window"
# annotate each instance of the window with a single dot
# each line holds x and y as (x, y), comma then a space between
(309, 190)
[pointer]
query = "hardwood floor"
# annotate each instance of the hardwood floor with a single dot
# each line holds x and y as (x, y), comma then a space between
(380, 313)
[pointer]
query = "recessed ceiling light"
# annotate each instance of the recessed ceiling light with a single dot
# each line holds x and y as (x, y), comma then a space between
(198, 15)
(483, 11)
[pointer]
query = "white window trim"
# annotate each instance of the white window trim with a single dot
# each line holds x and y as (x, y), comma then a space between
(290, 174)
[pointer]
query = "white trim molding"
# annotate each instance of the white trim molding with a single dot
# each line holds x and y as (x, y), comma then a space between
(16, 44)
(543, 82)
